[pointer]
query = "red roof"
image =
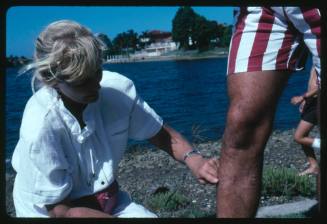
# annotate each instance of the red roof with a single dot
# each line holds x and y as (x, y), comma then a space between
(157, 34)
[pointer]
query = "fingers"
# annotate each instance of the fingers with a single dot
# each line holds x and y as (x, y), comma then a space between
(202, 181)
(211, 167)
(213, 179)
(294, 100)
(214, 162)
(209, 172)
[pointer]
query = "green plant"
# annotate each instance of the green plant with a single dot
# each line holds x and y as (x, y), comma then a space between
(286, 182)
(167, 201)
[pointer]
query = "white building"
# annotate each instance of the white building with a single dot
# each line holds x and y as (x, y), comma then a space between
(156, 49)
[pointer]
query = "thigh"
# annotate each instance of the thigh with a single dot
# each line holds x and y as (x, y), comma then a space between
(303, 128)
(256, 93)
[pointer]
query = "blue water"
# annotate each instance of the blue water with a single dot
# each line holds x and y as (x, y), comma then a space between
(187, 94)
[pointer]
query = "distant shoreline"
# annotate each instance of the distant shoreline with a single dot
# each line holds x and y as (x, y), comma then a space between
(179, 55)
(164, 58)
(175, 56)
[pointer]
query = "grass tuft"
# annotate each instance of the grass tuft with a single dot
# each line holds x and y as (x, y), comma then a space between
(286, 182)
(168, 201)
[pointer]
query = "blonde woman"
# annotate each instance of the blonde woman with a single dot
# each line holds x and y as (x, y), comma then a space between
(75, 129)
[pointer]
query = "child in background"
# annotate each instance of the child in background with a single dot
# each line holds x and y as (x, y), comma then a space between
(308, 108)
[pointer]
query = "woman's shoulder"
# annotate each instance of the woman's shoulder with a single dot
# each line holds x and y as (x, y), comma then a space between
(115, 80)
(117, 93)
(117, 87)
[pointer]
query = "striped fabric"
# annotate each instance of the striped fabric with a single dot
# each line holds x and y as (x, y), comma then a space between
(273, 38)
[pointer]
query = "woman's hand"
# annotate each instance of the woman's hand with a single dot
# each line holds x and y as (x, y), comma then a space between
(297, 99)
(171, 141)
(205, 170)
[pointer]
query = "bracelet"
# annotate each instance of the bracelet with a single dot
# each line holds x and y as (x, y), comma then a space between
(304, 97)
(190, 153)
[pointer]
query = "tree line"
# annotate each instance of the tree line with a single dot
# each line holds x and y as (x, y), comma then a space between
(189, 30)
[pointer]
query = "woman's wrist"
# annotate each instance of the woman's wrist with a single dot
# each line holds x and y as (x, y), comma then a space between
(191, 158)
(191, 153)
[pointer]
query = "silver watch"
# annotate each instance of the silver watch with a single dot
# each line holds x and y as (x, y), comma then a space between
(190, 153)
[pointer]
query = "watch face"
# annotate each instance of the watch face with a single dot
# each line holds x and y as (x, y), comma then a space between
(188, 154)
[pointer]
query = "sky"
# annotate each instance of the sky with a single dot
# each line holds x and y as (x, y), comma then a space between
(24, 23)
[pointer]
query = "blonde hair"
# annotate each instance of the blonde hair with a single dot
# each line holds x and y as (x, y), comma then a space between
(65, 51)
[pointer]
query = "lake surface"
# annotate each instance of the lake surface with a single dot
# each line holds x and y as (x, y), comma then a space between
(189, 95)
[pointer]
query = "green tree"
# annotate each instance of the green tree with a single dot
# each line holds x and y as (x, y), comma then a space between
(192, 30)
(203, 32)
(132, 38)
(106, 40)
(183, 24)
(125, 43)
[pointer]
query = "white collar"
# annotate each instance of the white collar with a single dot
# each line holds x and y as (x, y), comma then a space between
(70, 121)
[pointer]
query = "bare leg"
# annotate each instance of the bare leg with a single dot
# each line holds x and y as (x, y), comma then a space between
(301, 137)
(313, 164)
(253, 99)
(302, 132)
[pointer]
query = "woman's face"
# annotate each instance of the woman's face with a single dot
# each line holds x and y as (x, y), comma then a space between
(84, 92)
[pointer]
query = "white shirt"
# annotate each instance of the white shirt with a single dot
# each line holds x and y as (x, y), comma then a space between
(55, 159)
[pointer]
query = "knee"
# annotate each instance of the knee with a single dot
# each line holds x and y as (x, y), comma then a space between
(298, 138)
(245, 126)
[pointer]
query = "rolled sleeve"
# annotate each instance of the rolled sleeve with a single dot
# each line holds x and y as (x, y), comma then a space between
(144, 121)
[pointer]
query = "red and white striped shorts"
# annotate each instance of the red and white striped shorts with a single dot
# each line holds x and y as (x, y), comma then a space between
(273, 38)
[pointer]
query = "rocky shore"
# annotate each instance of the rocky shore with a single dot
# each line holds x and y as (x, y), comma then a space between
(142, 172)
